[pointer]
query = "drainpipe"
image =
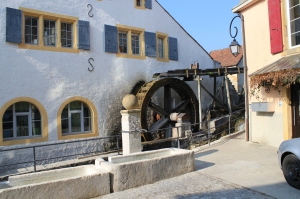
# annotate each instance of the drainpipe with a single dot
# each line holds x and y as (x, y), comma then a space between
(200, 102)
(245, 80)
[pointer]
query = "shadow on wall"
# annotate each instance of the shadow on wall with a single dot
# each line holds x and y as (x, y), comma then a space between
(137, 87)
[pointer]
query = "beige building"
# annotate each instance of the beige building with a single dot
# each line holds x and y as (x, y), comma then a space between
(272, 52)
(227, 60)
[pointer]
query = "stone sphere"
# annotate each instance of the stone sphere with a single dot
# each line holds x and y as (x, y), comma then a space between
(129, 101)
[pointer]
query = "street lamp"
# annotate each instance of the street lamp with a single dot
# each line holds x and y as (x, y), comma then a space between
(234, 46)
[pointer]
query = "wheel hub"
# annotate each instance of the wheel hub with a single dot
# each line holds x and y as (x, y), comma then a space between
(293, 171)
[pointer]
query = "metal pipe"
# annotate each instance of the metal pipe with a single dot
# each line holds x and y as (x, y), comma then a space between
(228, 94)
(215, 90)
(245, 80)
(178, 141)
(208, 132)
(118, 145)
(199, 98)
(228, 101)
(34, 163)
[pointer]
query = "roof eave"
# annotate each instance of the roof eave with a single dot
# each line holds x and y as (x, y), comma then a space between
(242, 6)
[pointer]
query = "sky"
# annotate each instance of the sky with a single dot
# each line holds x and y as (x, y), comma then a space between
(207, 21)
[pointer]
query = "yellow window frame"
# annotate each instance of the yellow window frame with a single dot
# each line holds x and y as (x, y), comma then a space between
(142, 5)
(44, 120)
(58, 18)
(166, 47)
(93, 110)
(130, 30)
(287, 49)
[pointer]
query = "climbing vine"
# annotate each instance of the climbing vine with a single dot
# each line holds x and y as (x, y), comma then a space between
(274, 80)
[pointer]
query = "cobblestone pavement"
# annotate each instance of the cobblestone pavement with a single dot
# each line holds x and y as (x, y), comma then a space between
(191, 185)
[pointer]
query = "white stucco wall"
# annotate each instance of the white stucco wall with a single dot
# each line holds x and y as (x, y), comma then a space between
(53, 77)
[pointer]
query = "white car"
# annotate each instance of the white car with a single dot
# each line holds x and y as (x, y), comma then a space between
(289, 161)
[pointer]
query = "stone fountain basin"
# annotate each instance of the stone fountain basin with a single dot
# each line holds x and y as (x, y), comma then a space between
(128, 171)
(74, 182)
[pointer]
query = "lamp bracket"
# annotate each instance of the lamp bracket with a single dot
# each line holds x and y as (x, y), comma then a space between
(236, 30)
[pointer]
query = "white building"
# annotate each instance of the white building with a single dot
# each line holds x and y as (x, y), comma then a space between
(66, 65)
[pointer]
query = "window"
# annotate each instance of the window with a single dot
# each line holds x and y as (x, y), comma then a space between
(31, 30)
(40, 30)
(24, 120)
(143, 4)
(135, 41)
(130, 41)
(138, 3)
(66, 35)
(123, 42)
(162, 47)
(21, 119)
(294, 22)
(49, 33)
(77, 118)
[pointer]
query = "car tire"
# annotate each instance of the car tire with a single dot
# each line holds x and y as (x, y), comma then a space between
(291, 170)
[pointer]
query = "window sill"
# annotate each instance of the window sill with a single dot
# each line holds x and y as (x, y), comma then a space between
(48, 48)
(123, 55)
(140, 7)
(162, 59)
(27, 140)
(291, 51)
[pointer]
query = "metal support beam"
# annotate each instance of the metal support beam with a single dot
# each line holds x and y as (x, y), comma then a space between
(213, 97)
(228, 101)
(215, 90)
(199, 98)
(228, 94)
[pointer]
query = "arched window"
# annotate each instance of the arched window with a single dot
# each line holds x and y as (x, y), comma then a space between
(76, 118)
(20, 120)
(23, 120)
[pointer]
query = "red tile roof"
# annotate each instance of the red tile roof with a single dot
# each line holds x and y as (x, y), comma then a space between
(225, 57)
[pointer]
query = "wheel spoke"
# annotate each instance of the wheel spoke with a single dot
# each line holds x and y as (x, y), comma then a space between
(167, 99)
(181, 105)
(157, 109)
(157, 125)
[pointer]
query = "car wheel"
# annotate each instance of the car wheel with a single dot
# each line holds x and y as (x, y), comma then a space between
(291, 170)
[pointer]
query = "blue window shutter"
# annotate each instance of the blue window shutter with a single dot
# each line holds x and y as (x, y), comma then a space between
(173, 49)
(13, 25)
(84, 35)
(150, 41)
(111, 39)
(148, 4)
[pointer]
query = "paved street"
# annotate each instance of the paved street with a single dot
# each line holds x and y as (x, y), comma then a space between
(250, 165)
(229, 168)
(191, 185)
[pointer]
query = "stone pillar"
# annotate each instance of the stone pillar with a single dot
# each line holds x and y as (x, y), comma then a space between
(131, 140)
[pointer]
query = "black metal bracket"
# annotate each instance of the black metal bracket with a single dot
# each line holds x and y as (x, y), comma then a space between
(89, 5)
(236, 30)
(91, 70)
